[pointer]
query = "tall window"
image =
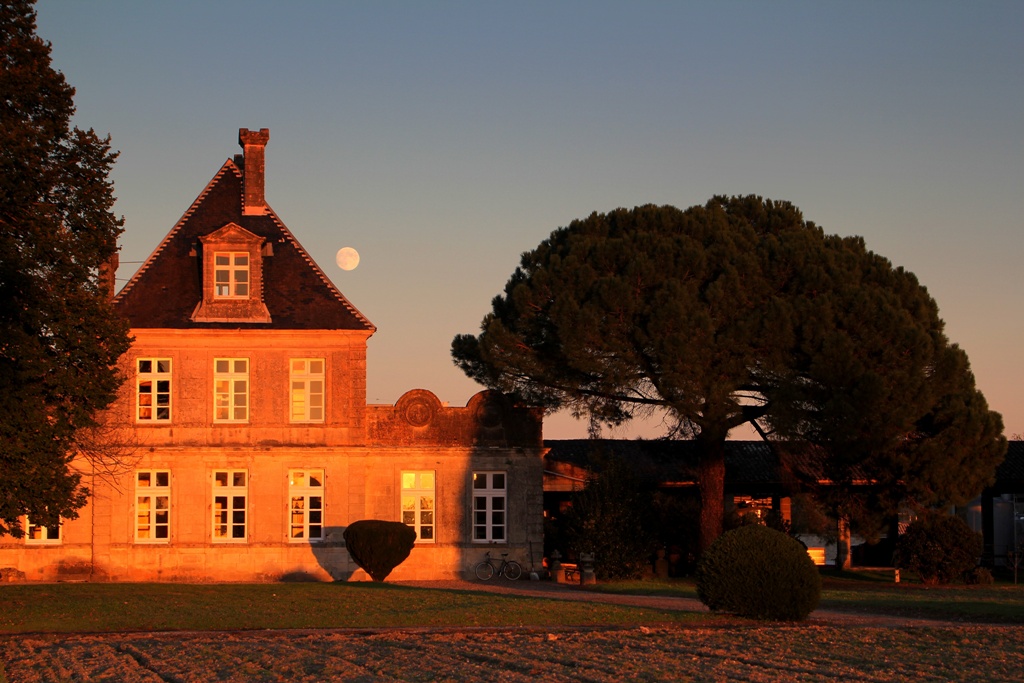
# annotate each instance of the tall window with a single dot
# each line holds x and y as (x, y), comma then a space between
(489, 507)
(418, 504)
(307, 389)
(230, 389)
(230, 494)
(231, 274)
(306, 505)
(153, 390)
(152, 506)
(37, 534)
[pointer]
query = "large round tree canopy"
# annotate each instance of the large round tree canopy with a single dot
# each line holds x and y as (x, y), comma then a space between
(741, 311)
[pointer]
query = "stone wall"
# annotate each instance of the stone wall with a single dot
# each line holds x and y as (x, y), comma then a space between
(360, 482)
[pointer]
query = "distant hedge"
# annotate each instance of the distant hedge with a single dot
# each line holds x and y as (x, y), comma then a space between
(758, 572)
(940, 548)
(379, 546)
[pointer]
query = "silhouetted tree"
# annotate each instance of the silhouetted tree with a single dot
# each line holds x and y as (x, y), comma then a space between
(59, 336)
(612, 516)
(740, 311)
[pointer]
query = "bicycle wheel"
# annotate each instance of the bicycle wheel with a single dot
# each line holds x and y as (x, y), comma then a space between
(484, 571)
(513, 571)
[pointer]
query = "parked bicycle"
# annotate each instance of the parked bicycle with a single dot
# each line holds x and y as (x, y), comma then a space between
(510, 569)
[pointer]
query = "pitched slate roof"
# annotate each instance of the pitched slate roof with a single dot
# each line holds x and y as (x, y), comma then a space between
(165, 290)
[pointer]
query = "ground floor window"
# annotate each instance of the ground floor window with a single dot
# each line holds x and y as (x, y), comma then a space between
(489, 513)
(152, 506)
(37, 534)
(306, 505)
(230, 497)
(418, 504)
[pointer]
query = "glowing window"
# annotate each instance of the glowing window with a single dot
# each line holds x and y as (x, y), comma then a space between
(152, 506)
(230, 509)
(419, 504)
(231, 390)
(231, 274)
(37, 534)
(305, 505)
(153, 390)
(307, 389)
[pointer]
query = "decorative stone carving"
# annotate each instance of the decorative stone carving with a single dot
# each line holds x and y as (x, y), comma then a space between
(488, 409)
(418, 407)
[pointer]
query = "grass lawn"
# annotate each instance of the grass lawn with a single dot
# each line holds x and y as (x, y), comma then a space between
(111, 607)
(875, 592)
(102, 607)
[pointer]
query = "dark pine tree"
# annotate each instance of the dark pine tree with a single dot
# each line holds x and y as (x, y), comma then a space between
(740, 311)
(59, 336)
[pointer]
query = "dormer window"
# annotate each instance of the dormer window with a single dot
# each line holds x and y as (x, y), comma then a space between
(231, 268)
(231, 275)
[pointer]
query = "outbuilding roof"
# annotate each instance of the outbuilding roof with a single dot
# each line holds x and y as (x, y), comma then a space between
(747, 463)
(1010, 473)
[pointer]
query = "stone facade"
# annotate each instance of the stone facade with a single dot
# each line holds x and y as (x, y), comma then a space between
(242, 446)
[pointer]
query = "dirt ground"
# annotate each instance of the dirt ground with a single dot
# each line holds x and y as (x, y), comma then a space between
(803, 653)
(830, 646)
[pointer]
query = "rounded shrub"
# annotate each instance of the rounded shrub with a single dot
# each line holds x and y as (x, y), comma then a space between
(754, 571)
(979, 576)
(379, 546)
(939, 548)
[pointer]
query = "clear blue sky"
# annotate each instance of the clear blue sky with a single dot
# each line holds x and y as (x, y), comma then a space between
(443, 139)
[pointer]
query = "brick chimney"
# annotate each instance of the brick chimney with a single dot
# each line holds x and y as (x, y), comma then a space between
(253, 144)
(106, 275)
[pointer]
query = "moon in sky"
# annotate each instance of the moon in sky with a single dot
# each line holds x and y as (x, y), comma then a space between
(347, 258)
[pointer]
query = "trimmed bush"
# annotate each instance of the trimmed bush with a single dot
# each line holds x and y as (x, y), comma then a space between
(979, 576)
(939, 548)
(378, 546)
(754, 571)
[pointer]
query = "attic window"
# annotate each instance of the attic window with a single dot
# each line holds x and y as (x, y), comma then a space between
(231, 275)
(231, 271)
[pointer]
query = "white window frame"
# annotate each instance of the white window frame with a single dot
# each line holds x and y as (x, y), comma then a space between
(37, 534)
(489, 489)
(306, 505)
(230, 506)
(152, 506)
(418, 505)
(231, 390)
(306, 384)
(231, 275)
(157, 394)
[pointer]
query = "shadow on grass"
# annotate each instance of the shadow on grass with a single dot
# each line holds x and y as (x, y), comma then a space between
(97, 608)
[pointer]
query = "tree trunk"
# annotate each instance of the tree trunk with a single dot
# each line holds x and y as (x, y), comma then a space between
(843, 543)
(711, 471)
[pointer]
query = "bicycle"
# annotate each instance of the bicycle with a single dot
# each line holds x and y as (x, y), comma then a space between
(510, 569)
